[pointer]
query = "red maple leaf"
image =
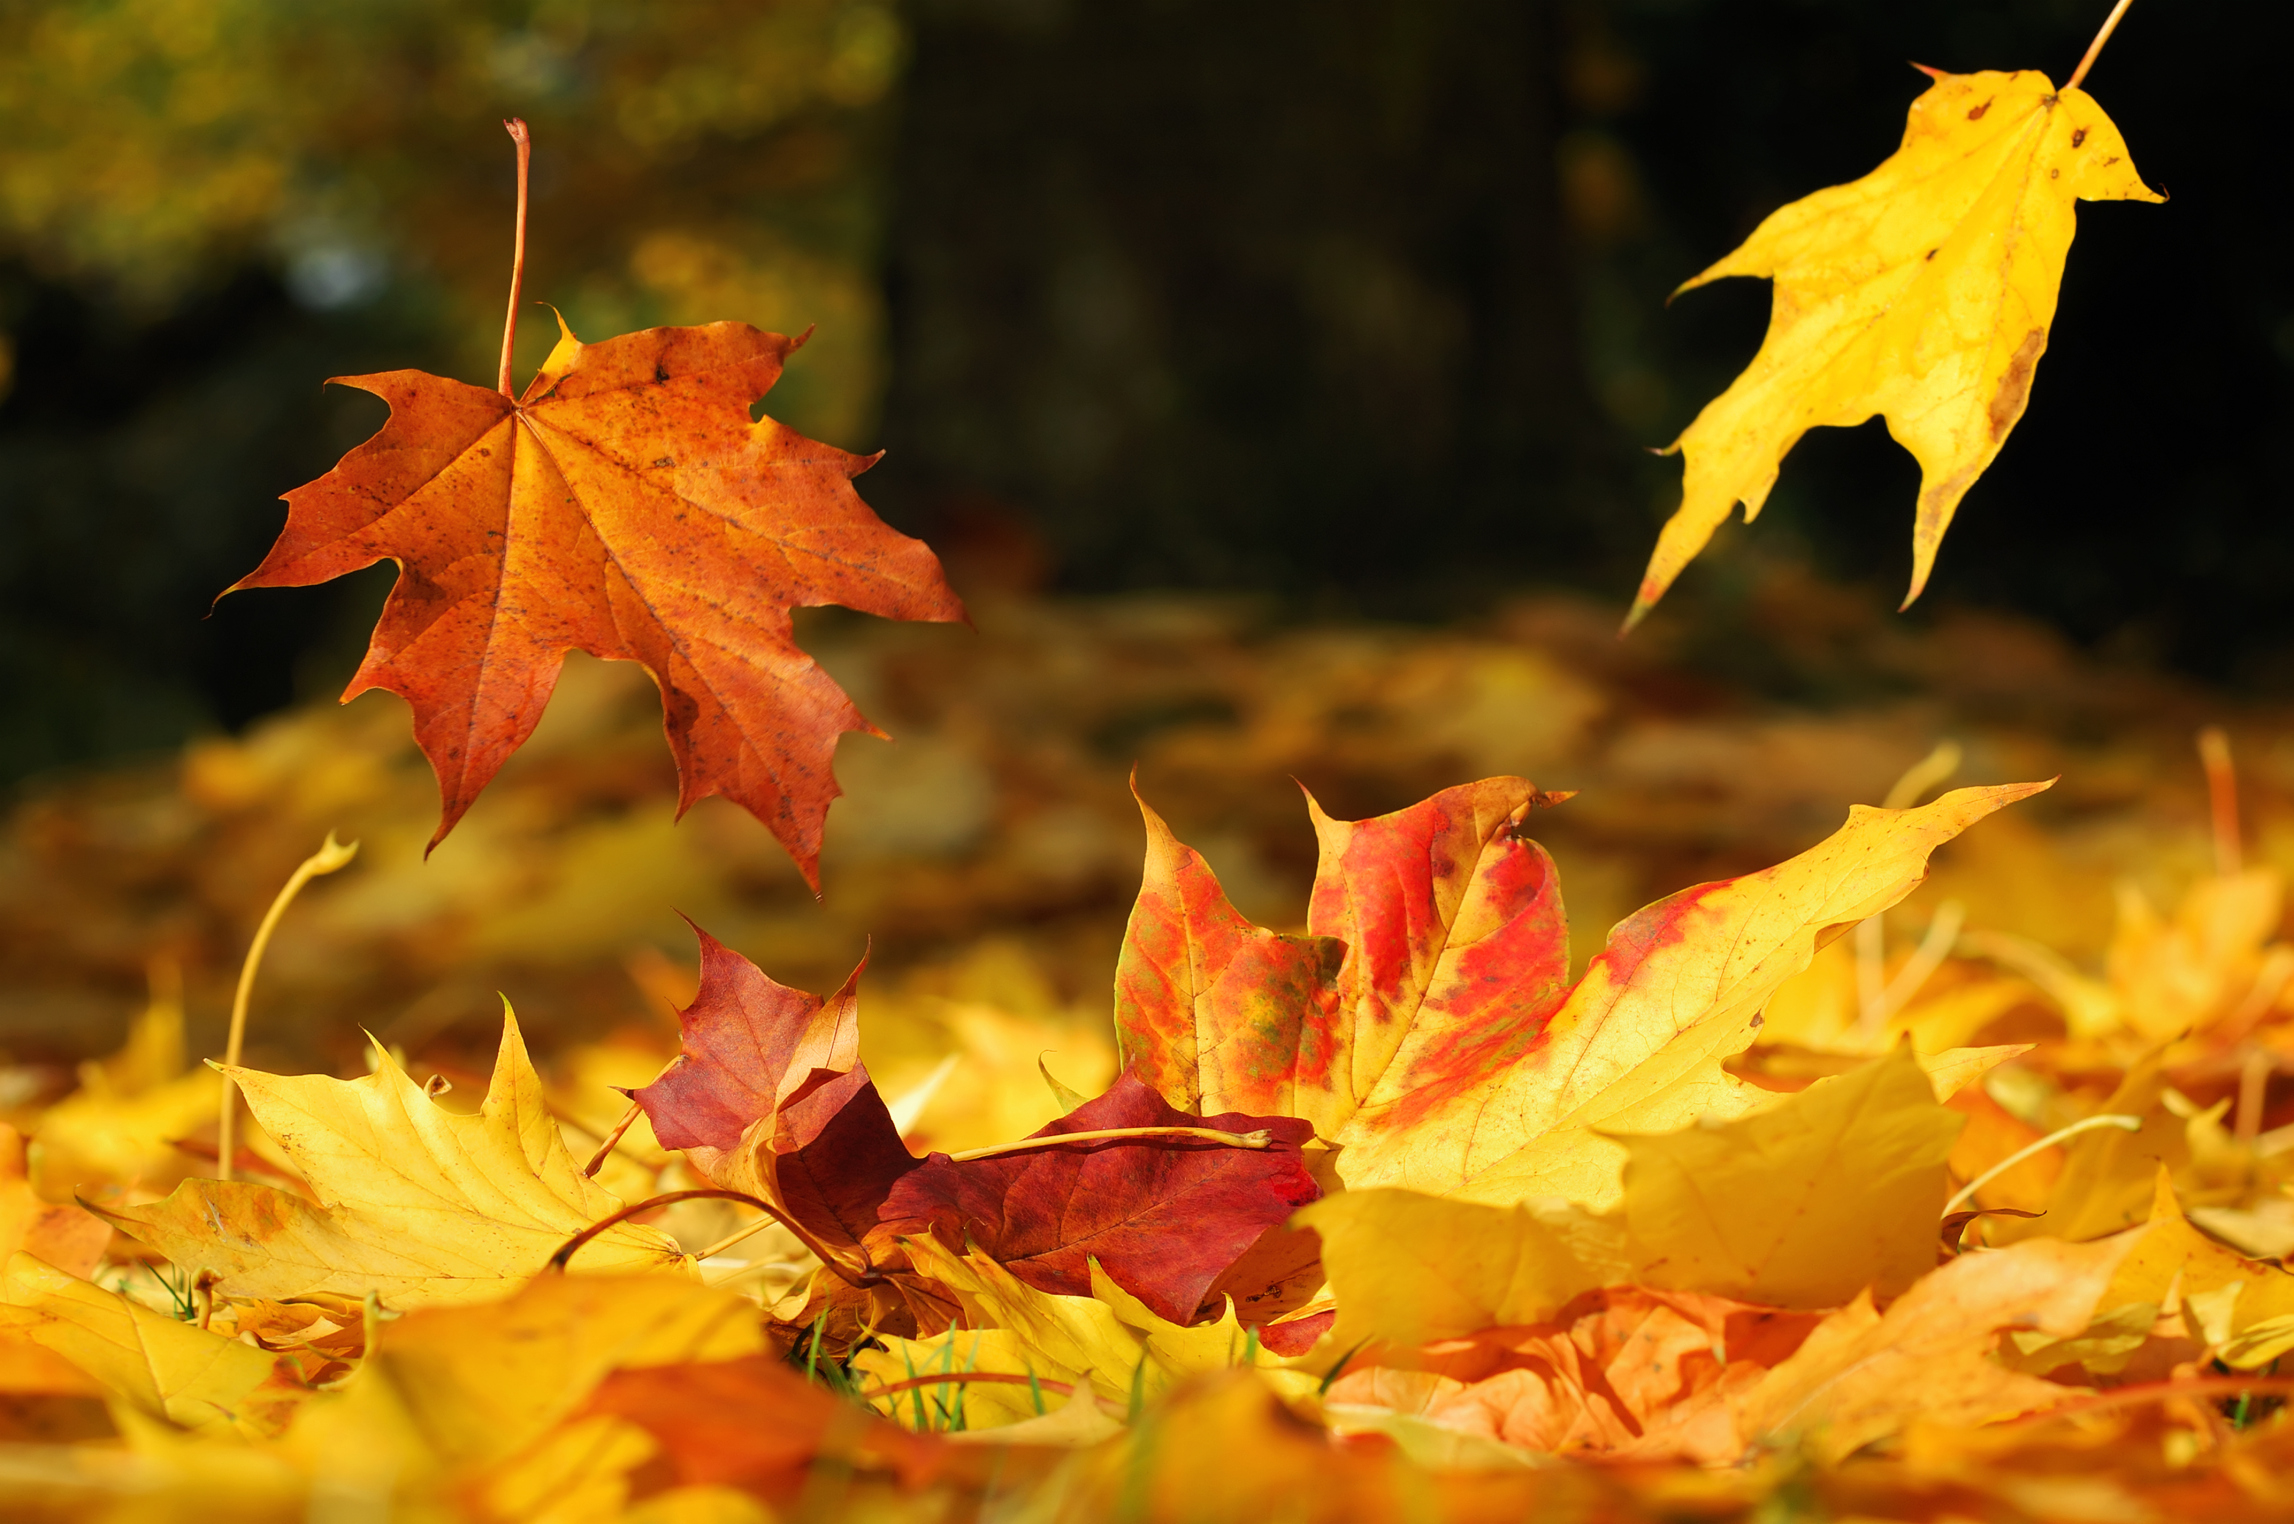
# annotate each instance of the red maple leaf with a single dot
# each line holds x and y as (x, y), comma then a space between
(1164, 1217)
(768, 1097)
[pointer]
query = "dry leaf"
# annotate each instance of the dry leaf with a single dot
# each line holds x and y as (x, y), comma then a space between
(1922, 292)
(414, 1203)
(162, 1367)
(624, 505)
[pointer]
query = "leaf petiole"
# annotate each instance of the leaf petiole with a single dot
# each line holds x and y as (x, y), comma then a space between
(2095, 48)
(330, 856)
(1259, 1139)
(516, 127)
(2088, 1124)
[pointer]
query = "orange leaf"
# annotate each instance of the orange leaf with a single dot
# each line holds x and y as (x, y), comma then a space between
(624, 505)
(1628, 1371)
(1427, 1024)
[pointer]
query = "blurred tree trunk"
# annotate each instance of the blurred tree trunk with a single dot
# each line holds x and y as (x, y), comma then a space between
(1267, 294)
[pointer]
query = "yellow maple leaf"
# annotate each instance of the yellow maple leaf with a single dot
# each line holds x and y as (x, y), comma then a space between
(65, 1236)
(1109, 1344)
(1802, 1205)
(118, 1129)
(457, 1413)
(2242, 1308)
(1922, 293)
(155, 1364)
(415, 1203)
(1832, 1190)
(486, 1397)
(1408, 1268)
(1863, 1374)
(1637, 1045)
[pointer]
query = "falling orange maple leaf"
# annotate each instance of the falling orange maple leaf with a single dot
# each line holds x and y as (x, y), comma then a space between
(625, 505)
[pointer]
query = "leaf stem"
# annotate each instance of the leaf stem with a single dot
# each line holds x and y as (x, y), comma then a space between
(566, 1251)
(330, 856)
(2087, 1124)
(1259, 1139)
(2095, 48)
(741, 1234)
(944, 1378)
(516, 127)
(612, 1141)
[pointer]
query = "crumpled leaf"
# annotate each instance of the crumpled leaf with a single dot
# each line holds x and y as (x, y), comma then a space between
(414, 1203)
(2241, 1308)
(158, 1365)
(1449, 1056)
(1165, 1217)
(624, 505)
(1630, 1373)
(1862, 1374)
(1922, 292)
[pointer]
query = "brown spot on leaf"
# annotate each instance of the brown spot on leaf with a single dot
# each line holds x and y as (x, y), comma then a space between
(2015, 386)
(2078, 137)
(2054, 174)
(1932, 253)
(1975, 114)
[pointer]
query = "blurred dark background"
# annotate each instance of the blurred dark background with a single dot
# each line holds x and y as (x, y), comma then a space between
(1358, 304)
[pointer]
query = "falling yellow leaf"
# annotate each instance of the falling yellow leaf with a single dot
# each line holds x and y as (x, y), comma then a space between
(415, 1203)
(1922, 292)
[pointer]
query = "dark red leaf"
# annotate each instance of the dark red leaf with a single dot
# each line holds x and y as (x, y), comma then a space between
(769, 1097)
(1164, 1217)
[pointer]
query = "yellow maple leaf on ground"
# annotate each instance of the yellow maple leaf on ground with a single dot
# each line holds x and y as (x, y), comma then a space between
(1637, 1044)
(118, 1130)
(415, 1203)
(65, 1236)
(1863, 1374)
(155, 1364)
(1108, 1344)
(1833, 1190)
(1426, 1023)
(484, 1399)
(1802, 1205)
(1922, 293)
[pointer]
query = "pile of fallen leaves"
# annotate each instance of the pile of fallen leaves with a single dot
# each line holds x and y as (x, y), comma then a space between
(1754, 1211)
